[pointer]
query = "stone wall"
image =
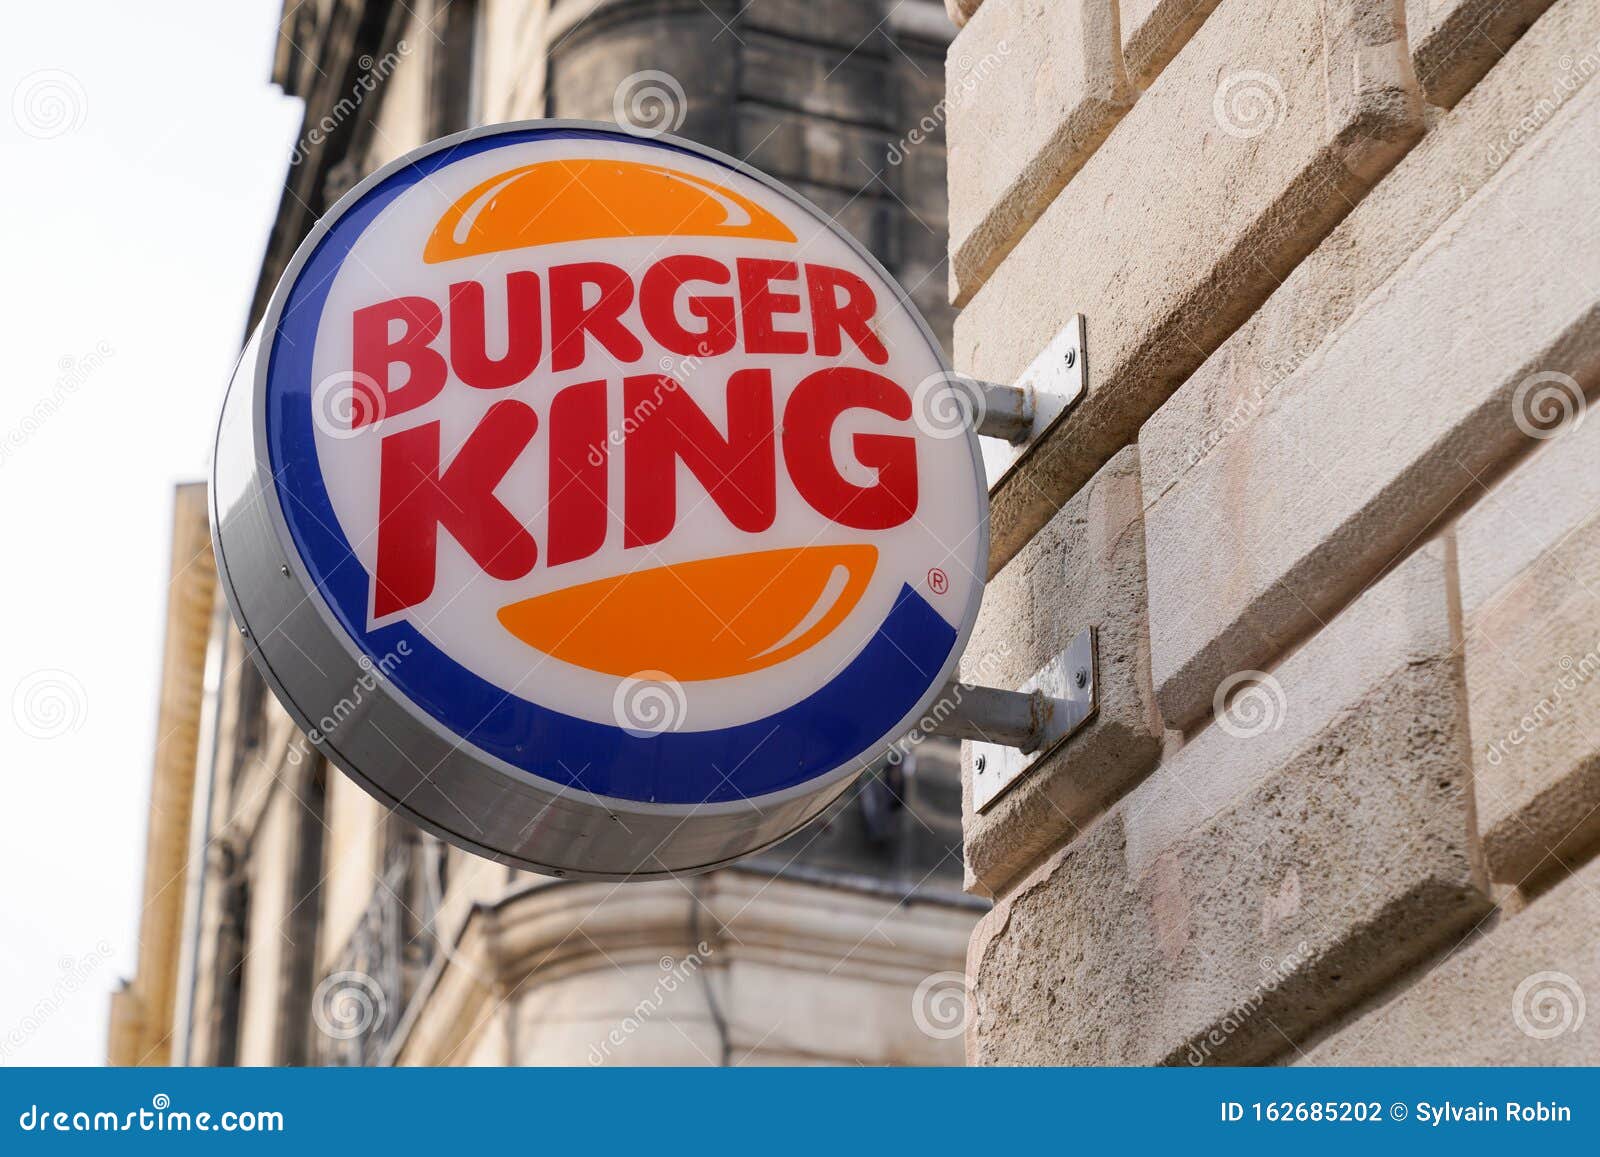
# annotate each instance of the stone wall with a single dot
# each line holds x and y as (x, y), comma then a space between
(1330, 503)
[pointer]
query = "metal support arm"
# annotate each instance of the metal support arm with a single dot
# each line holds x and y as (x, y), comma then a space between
(989, 714)
(1019, 413)
(1012, 730)
(1004, 412)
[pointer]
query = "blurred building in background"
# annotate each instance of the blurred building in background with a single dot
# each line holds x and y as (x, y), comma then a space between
(288, 919)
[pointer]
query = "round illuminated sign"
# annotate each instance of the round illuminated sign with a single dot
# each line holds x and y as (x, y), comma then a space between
(594, 502)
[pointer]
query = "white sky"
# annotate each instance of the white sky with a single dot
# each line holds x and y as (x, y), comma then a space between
(133, 216)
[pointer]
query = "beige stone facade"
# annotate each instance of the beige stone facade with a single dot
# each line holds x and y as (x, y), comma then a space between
(289, 919)
(1329, 501)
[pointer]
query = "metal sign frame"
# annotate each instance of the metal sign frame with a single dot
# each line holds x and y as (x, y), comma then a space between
(400, 753)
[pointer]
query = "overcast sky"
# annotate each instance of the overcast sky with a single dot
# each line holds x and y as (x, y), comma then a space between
(142, 154)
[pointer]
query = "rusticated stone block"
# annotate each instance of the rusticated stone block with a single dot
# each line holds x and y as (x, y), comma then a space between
(1515, 996)
(1381, 431)
(1032, 90)
(1465, 148)
(1454, 42)
(1283, 116)
(1288, 892)
(1085, 569)
(1263, 719)
(1530, 594)
(1154, 30)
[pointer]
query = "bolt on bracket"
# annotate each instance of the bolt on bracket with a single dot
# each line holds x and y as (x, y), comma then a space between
(1010, 731)
(1015, 416)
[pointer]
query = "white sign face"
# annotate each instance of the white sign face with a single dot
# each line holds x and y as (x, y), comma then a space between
(641, 487)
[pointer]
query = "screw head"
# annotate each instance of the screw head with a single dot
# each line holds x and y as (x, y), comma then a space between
(983, 762)
(1081, 677)
(1071, 358)
(283, 569)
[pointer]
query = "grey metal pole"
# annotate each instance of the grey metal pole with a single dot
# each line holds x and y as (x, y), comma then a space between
(992, 715)
(1003, 411)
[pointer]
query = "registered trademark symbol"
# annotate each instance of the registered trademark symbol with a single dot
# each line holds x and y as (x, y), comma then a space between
(938, 581)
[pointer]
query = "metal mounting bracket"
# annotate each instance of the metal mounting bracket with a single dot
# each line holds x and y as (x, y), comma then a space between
(1013, 417)
(1010, 731)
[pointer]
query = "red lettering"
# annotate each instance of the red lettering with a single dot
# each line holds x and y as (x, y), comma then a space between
(374, 352)
(817, 402)
(758, 305)
(830, 317)
(415, 500)
(578, 459)
(571, 319)
(738, 472)
(469, 355)
(658, 294)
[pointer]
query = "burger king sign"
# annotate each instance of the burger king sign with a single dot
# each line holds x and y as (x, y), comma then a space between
(585, 497)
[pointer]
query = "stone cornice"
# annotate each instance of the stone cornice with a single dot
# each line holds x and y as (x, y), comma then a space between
(547, 932)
